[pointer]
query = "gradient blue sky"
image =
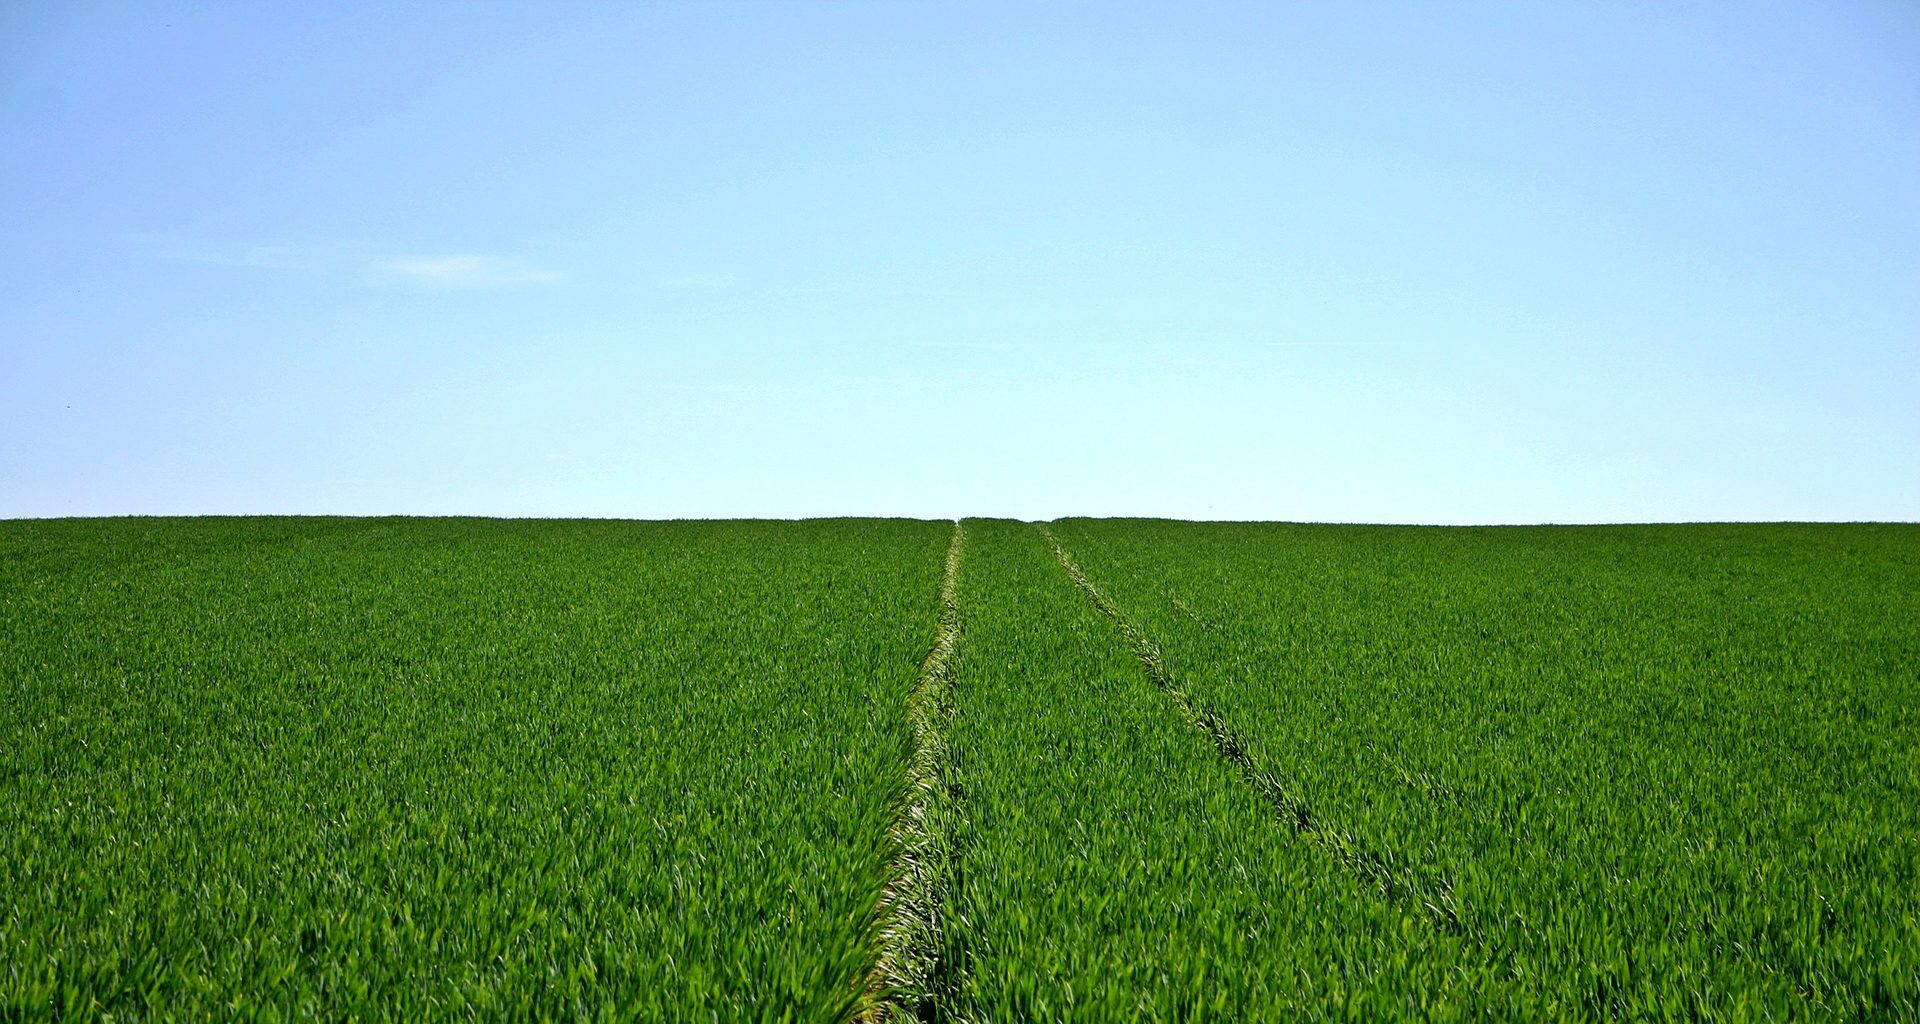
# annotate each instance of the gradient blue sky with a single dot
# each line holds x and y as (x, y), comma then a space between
(1402, 262)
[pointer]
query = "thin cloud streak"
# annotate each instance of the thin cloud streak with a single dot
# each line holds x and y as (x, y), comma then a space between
(444, 270)
(466, 270)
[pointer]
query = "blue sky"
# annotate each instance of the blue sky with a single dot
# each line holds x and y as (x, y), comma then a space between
(1454, 263)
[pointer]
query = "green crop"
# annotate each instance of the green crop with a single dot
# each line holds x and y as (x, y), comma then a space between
(407, 769)
(1113, 867)
(1642, 772)
(882, 770)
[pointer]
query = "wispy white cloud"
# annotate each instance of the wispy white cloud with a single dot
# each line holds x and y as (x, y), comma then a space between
(466, 270)
(451, 270)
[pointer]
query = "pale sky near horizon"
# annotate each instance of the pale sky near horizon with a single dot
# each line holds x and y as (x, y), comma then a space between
(1461, 263)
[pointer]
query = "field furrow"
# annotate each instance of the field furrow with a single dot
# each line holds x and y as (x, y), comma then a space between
(1379, 870)
(1110, 869)
(909, 917)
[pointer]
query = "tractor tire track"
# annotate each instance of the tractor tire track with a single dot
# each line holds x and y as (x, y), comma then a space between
(908, 933)
(1433, 894)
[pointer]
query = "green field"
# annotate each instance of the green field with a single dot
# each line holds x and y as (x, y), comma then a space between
(865, 769)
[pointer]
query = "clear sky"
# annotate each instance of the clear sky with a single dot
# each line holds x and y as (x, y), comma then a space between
(1402, 262)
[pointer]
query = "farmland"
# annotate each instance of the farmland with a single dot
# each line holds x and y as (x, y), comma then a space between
(1637, 771)
(402, 769)
(319, 768)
